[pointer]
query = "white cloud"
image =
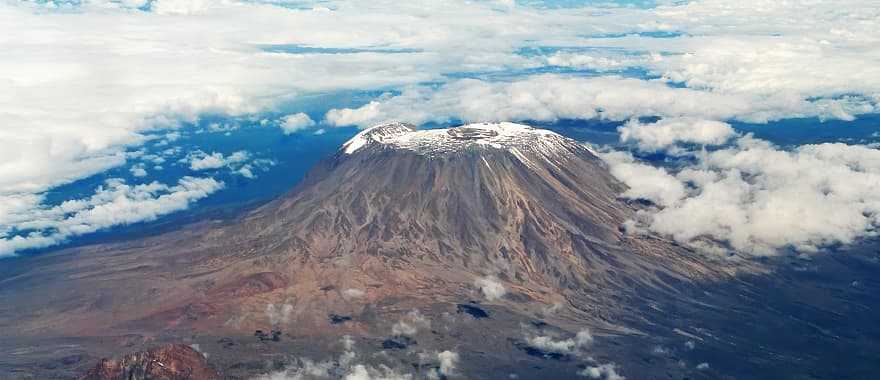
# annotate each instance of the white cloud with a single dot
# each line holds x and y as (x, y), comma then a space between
(668, 132)
(703, 366)
(491, 288)
(660, 350)
(603, 371)
(758, 49)
(600, 60)
(366, 115)
(644, 181)
(549, 97)
(448, 362)
(180, 7)
(114, 203)
(199, 160)
(570, 346)
(296, 122)
(744, 65)
(583, 338)
(246, 171)
(208, 161)
(353, 293)
(138, 171)
(278, 315)
(758, 198)
(410, 324)
(541, 97)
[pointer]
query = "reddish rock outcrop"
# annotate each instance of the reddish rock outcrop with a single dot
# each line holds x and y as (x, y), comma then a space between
(170, 362)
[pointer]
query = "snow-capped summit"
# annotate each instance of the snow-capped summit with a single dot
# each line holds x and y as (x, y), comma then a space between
(376, 134)
(517, 139)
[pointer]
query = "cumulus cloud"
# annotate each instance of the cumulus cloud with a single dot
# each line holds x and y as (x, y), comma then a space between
(666, 133)
(199, 160)
(278, 315)
(296, 122)
(570, 346)
(757, 198)
(239, 163)
(645, 181)
(603, 371)
(366, 115)
(138, 171)
(410, 324)
(246, 171)
(353, 293)
(207, 161)
(448, 362)
(491, 288)
(114, 203)
(660, 350)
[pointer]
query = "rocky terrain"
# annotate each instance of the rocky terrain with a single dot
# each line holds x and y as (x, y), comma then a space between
(171, 362)
(480, 251)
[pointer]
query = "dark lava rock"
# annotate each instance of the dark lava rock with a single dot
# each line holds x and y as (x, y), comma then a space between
(539, 353)
(274, 335)
(337, 319)
(398, 343)
(474, 311)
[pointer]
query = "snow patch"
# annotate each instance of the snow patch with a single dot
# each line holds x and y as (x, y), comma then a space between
(520, 140)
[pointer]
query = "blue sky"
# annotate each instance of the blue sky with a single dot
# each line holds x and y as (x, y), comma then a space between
(124, 112)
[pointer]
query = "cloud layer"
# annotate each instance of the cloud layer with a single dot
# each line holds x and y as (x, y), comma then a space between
(756, 198)
(550, 97)
(114, 203)
(87, 81)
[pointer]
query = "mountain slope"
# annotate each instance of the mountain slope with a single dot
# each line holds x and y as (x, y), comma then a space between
(528, 205)
(396, 213)
(398, 219)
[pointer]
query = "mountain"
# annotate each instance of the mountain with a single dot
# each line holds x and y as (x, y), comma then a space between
(396, 213)
(500, 243)
(426, 213)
